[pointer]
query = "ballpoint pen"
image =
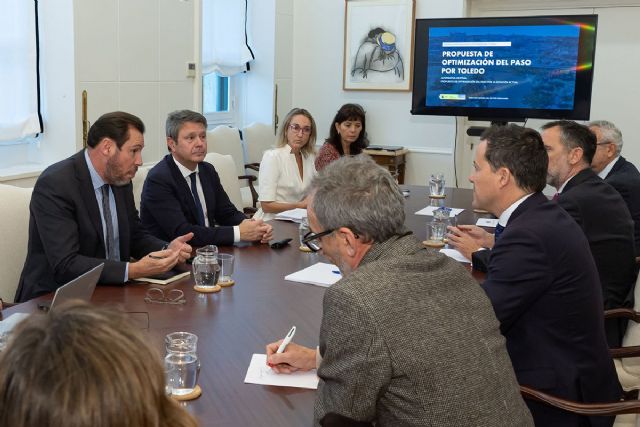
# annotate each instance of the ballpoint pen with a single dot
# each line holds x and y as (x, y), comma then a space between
(287, 340)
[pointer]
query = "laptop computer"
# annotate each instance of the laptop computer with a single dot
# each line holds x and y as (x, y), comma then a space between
(81, 288)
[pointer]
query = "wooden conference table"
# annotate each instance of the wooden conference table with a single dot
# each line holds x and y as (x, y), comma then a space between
(238, 321)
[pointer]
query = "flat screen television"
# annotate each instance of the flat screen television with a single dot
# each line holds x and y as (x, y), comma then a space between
(508, 68)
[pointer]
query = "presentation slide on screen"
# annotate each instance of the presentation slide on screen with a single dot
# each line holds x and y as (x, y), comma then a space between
(503, 67)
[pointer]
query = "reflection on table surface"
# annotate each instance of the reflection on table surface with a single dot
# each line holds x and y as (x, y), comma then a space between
(238, 321)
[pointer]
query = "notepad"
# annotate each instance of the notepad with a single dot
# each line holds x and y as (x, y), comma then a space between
(319, 274)
(164, 278)
(429, 211)
(295, 215)
(259, 373)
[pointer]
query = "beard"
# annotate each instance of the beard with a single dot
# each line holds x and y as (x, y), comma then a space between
(115, 173)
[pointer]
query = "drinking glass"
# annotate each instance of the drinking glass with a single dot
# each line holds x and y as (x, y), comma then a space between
(181, 342)
(226, 268)
(436, 231)
(436, 185)
(303, 229)
(205, 266)
(181, 370)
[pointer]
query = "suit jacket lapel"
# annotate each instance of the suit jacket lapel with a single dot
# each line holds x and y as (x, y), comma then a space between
(183, 190)
(533, 200)
(579, 178)
(88, 194)
(209, 196)
(617, 166)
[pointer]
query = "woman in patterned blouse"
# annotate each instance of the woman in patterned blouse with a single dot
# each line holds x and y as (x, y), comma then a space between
(347, 136)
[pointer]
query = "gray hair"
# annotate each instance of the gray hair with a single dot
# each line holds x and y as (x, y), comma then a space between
(176, 119)
(356, 193)
(609, 133)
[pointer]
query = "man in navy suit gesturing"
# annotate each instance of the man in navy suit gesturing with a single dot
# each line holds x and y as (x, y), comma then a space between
(542, 280)
(183, 193)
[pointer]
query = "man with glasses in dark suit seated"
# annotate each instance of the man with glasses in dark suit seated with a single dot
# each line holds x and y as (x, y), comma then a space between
(617, 171)
(407, 337)
(542, 280)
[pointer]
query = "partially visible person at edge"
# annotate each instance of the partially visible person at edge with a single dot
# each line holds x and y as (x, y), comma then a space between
(84, 366)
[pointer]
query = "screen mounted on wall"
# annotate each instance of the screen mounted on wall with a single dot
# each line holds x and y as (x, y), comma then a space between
(505, 68)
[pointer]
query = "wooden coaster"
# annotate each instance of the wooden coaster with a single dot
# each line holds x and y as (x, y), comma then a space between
(197, 391)
(480, 211)
(304, 248)
(433, 243)
(207, 289)
(436, 196)
(227, 283)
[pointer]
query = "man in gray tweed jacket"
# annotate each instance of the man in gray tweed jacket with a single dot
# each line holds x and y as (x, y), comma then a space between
(407, 337)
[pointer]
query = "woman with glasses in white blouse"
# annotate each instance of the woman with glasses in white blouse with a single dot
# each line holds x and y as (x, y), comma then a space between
(287, 170)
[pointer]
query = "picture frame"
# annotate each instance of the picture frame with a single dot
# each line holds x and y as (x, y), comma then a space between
(378, 45)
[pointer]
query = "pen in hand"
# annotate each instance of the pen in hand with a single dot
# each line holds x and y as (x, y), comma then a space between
(287, 340)
(156, 257)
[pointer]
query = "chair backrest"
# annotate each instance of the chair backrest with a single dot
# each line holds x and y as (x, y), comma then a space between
(226, 140)
(226, 169)
(14, 229)
(138, 182)
(632, 337)
(258, 138)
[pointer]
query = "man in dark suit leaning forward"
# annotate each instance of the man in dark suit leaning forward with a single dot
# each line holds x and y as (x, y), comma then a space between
(183, 193)
(542, 280)
(83, 214)
(598, 209)
(617, 171)
(408, 337)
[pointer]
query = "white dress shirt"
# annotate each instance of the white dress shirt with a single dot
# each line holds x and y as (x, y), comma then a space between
(186, 173)
(280, 179)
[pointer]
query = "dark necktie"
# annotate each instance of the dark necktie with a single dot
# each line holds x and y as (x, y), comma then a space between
(555, 197)
(498, 231)
(106, 210)
(194, 191)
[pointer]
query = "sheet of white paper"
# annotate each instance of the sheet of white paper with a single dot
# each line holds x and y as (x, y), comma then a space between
(429, 211)
(455, 254)
(487, 222)
(319, 274)
(7, 325)
(260, 373)
(294, 215)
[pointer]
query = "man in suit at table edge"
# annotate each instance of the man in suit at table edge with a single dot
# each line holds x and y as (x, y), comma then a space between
(542, 280)
(407, 337)
(82, 214)
(183, 193)
(597, 208)
(617, 171)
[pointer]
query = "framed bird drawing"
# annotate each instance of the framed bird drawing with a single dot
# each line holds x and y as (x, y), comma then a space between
(378, 44)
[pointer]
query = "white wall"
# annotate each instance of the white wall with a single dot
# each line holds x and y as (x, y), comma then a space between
(317, 85)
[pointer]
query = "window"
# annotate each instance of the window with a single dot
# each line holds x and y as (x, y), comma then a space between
(19, 104)
(225, 56)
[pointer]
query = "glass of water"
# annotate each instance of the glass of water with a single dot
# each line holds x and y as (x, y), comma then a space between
(436, 231)
(181, 370)
(226, 269)
(181, 342)
(303, 229)
(436, 185)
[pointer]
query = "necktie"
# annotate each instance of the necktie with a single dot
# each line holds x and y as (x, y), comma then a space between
(194, 191)
(555, 197)
(106, 211)
(498, 231)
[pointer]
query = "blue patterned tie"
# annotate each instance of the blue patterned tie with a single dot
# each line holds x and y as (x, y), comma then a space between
(194, 191)
(106, 212)
(498, 231)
